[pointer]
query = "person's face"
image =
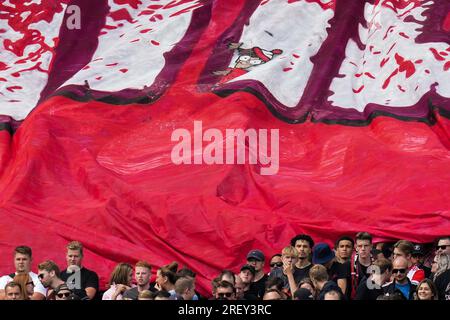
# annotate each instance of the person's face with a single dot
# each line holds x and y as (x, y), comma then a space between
(225, 293)
(276, 262)
(160, 280)
(46, 277)
(30, 287)
(272, 296)
(239, 286)
(246, 276)
(363, 247)
(142, 275)
(434, 265)
(344, 249)
(62, 295)
(190, 293)
(258, 265)
(303, 249)
(417, 259)
(13, 293)
(289, 259)
(424, 292)
(73, 258)
(130, 278)
(22, 263)
(443, 246)
(400, 270)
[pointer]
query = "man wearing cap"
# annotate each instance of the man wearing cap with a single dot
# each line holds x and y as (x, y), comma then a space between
(337, 272)
(62, 292)
(403, 248)
(256, 259)
(247, 275)
(418, 258)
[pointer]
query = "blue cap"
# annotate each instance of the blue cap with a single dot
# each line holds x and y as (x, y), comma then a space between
(322, 253)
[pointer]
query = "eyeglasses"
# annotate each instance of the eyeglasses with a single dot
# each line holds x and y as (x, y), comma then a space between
(41, 276)
(443, 247)
(398, 270)
(63, 295)
(278, 264)
(226, 294)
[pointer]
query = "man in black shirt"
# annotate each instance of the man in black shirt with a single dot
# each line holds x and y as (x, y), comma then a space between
(370, 287)
(303, 243)
(83, 282)
(256, 259)
(337, 272)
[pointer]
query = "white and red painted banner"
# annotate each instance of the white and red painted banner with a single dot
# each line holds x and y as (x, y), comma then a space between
(91, 93)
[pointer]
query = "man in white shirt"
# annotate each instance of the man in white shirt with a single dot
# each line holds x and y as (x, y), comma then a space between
(22, 264)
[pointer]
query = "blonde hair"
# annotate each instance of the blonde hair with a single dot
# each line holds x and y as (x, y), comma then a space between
(289, 251)
(75, 245)
(318, 273)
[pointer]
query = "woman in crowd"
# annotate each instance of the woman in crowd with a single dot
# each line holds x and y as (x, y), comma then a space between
(120, 281)
(26, 285)
(426, 290)
(166, 278)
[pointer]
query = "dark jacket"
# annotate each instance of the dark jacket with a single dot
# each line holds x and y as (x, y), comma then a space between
(390, 288)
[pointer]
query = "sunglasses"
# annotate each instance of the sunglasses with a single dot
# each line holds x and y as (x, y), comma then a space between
(223, 295)
(398, 270)
(443, 247)
(63, 295)
(278, 264)
(41, 276)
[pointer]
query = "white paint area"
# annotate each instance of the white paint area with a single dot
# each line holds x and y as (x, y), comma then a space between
(366, 71)
(131, 56)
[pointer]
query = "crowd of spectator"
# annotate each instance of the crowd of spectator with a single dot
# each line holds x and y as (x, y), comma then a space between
(355, 269)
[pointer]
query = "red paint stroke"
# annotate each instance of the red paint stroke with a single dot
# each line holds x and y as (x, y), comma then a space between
(156, 43)
(98, 59)
(443, 53)
(146, 13)
(110, 27)
(3, 66)
(3, 79)
(358, 75)
(390, 29)
(369, 75)
(392, 47)
(376, 52)
(292, 63)
(383, 62)
(121, 14)
(403, 35)
(186, 10)
(296, 56)
(436, 54)
(35, 67)
(99, 78)
(446, 23)
(427, 71)
(354, 64)
(135, 40)
(155, 6)
(447, 66)
(14, 100)
(287, 69)
(156, 17)
(112, 64)
(85, 68)
(132, 3)
(145, 30)
(12, 88)
(400, 88)
(264, 2)
(386, 82)
(417, 87)
(358, 90)
(123, 70)
(418, 61)
(176, 3)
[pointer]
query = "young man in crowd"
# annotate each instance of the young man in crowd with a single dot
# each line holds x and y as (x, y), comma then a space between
(13, 291)
(225, 291)
(404, 249)
(401, 281)
(303, 243)
(370, 287)
(185, 288)
(256, 259)
(344, 249)
(22, 264)
(82, 281)
(319, 278)
(142, 275)
(49, 275)
(418, 259)
(337, 272)
(246, 275)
